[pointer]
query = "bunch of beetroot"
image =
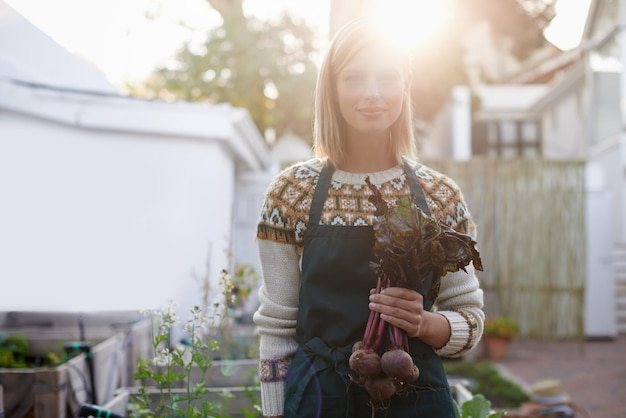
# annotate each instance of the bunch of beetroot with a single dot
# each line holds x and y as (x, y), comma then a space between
(409, 246)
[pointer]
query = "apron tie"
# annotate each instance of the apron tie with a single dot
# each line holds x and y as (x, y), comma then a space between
(320, 357)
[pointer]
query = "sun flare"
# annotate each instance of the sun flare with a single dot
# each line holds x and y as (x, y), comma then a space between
(411, 22)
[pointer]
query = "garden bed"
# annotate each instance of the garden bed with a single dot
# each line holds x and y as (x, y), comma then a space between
(484, 378)
(108, 343)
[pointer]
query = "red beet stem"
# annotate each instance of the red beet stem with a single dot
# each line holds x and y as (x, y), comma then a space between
(370, 337)
(380, 334)
(398, 338)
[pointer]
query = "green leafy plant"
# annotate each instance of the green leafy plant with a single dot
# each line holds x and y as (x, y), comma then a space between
(13, 351)
(502, 326)
(171, 367)
(14, 354)
(477, 407)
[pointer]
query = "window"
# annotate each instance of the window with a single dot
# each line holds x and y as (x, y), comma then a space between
(507, 138)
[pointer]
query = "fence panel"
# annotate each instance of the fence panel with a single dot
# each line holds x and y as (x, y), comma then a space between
(531, 236)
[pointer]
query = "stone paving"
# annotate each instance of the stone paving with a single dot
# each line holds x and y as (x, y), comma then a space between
(593, 372)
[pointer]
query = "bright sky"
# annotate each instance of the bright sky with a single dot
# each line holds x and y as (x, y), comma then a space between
(121, 38)
(126, 39)
(566, 28)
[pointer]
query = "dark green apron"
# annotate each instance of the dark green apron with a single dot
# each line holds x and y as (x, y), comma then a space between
(333, 310)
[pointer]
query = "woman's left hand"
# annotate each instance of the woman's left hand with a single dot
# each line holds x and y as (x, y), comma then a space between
(404, 308)
(401, 307)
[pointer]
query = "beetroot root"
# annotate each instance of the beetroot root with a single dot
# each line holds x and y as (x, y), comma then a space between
(396, 363)
(365, 362)
(380, 388)
(412, 376)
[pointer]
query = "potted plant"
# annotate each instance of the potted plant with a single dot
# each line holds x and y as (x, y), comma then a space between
(497, 335)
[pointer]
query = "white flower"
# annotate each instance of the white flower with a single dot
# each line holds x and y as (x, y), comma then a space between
(226, 282)
(163, 357)
(168, 317)
(199, 317)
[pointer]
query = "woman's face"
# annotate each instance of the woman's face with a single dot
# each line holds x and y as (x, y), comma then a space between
(370, 91)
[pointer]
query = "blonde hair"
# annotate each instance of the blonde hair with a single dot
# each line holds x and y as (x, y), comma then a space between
(329, 126)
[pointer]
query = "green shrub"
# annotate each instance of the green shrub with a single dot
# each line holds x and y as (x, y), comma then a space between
(14, 354)
(502, 393)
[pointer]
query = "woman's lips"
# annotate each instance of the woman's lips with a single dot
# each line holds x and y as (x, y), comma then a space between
(371, 111)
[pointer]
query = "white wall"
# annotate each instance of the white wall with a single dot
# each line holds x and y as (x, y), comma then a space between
(600, 316)
(610, 155)
(438, 141)
(94, 220)
(563, 126)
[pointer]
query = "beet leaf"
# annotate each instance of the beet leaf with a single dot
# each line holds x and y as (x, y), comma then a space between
(410, 245)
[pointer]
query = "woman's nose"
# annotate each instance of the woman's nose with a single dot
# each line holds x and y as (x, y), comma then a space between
(371, 93)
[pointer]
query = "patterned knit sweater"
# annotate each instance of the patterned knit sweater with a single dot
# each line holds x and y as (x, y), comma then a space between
(280, 240)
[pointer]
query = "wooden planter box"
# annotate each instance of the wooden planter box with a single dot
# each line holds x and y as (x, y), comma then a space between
(117, 340)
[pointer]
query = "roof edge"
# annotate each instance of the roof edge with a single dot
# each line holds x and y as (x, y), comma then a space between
(103, 111)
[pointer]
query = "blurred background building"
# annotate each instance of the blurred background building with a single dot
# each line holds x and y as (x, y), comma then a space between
(110, 200)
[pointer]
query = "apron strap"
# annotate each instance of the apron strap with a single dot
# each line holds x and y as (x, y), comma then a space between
(319, 195)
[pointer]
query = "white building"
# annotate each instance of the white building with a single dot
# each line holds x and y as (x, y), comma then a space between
(111, 202)
(569, 105)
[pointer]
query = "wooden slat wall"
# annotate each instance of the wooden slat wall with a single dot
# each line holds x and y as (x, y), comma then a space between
(531, 235)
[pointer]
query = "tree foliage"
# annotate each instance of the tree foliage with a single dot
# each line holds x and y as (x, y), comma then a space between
(268, 67)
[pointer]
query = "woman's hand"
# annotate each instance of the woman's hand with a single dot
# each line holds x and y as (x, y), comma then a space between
(404, 308)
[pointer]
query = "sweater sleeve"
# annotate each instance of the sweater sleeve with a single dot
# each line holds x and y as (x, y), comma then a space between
(276, 320)
(460, 300)
(279, 239)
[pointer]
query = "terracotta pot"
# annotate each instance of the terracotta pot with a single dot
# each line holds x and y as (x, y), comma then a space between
(496, 347)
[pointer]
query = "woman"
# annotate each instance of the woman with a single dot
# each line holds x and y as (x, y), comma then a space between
(315, 244)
